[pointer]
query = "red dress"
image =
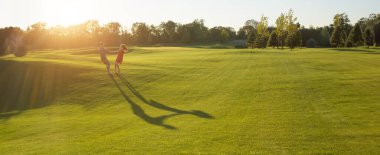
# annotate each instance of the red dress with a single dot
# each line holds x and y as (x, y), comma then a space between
(119, 57)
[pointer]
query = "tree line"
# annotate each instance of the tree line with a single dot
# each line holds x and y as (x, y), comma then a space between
(287, 32)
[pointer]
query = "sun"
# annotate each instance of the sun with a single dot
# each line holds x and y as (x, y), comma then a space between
(66, 13)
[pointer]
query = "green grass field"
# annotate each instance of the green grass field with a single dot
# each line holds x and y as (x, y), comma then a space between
(174, 100)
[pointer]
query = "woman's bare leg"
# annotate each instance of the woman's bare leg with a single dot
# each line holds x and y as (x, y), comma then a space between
(118, 69)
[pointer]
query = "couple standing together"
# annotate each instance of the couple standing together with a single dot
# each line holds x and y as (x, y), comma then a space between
(119, 58)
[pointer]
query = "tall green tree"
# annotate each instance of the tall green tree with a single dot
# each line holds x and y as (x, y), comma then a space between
(250, 30)
(262, 33)
(370, 23)
(154, 35)
(292, 29)
(249, 25)
(339, 37)
(195, 32)
(11, 41)
(281, 24)
(356, 36)
(184, 35)
(141, 33)
(168, 31)
(221, 34)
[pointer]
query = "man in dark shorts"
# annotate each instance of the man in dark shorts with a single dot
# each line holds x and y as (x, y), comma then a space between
(103, 57)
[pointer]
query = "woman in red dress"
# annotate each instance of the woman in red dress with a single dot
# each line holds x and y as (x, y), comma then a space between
(119, 58)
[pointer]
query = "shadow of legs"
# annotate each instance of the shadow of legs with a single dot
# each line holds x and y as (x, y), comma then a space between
(162, 106)
(138, 111)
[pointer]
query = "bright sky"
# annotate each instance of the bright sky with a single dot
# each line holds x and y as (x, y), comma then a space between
(215, 12)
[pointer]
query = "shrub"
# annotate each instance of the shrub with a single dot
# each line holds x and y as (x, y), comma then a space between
(20, 51)
(240, 46)
(311, 43)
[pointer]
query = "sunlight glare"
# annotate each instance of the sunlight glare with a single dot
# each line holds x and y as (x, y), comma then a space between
(66, 13)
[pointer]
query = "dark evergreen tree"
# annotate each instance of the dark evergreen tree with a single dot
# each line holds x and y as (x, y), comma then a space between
(368, 38)
(356, 37)
(325, 37)
(272, 42)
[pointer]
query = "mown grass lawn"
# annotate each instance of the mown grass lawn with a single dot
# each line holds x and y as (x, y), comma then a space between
(173, 100)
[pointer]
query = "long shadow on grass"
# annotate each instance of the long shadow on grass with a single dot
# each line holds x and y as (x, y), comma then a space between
(162, 106)
(137, 110)
(30, 85)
